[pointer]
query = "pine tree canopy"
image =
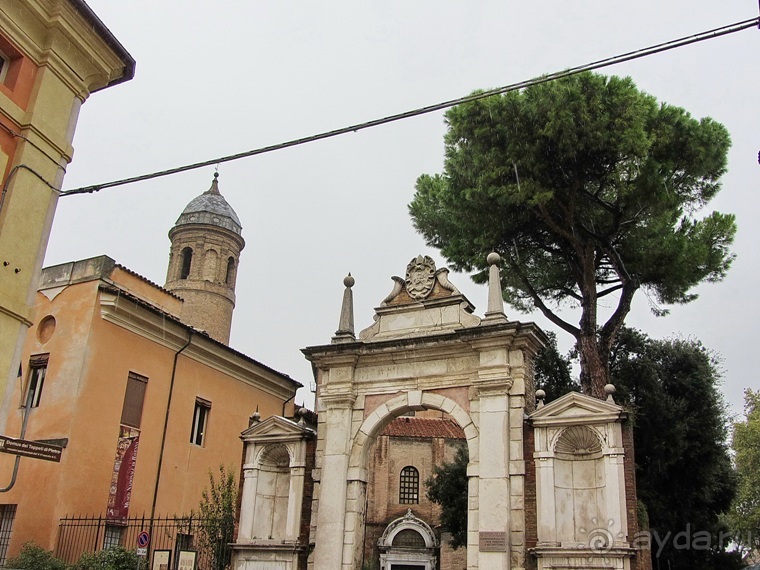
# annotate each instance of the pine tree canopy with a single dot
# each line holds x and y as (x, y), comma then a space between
(588, 188)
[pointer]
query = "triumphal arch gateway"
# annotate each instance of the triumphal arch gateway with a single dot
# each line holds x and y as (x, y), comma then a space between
(549, 486)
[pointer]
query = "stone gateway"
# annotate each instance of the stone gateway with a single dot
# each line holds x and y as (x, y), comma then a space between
(344, 488)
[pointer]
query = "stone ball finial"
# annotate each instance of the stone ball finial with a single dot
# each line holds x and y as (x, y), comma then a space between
(349, 281)
(540, 395)
(609, 389)
(493, 258)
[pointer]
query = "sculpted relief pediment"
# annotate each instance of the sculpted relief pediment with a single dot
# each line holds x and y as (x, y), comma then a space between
(274, 428)
(575, 408)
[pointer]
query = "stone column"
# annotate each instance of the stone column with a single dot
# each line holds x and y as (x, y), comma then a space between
(248, 504)
(336, 435)
(295, 502)
(355, 519)
(493, 479)
(545, 508)
(614, 478)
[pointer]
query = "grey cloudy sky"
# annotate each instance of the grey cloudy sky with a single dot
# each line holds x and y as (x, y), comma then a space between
(216, 78)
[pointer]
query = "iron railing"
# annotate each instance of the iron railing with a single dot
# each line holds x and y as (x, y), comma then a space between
(210, 538)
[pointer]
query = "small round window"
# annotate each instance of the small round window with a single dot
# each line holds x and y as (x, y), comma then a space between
(45, 329)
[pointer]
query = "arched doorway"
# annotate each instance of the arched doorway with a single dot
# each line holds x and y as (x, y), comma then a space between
(408, 543)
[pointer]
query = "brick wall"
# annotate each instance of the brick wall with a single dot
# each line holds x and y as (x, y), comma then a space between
(531, 510)
(643, 559)
(387, 458)
(308, 493)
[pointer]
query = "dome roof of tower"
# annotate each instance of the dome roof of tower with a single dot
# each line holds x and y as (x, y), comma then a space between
(210, 208)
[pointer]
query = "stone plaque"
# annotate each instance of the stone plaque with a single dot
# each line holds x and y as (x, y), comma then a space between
(267, 565)
(492, 541)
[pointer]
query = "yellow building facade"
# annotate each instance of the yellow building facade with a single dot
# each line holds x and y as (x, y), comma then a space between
(144, 404)
(53, 55)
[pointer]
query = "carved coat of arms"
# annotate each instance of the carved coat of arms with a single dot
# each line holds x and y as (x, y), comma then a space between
(420, 277)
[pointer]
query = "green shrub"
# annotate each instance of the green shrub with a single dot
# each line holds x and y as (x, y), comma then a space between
(32, 557)
(116, 558)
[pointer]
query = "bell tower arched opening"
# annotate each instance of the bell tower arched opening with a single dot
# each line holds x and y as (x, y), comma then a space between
(187, 260)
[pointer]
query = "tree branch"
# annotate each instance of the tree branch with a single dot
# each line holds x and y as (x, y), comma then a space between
(608, 291)
(538, 302)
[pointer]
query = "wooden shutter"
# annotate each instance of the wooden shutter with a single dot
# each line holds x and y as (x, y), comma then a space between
(131, 412)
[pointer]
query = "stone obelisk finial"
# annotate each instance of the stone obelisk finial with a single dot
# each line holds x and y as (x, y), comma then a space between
(495, 310)
(345, 332)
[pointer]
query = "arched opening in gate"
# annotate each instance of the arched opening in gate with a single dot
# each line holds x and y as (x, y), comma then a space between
(400, 453)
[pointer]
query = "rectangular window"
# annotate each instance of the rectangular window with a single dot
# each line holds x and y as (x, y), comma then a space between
(7, 514)
(37, 371)
(5, 62)
(200, 421)
(112, 536)
(131, 411)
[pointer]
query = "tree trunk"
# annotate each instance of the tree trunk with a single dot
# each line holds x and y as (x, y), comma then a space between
(595, 366)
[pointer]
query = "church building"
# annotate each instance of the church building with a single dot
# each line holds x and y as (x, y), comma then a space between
(136, 385)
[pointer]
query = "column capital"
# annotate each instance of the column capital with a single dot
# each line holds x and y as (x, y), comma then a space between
(338, 400)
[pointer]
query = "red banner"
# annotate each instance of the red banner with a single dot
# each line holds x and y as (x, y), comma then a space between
(123, 474)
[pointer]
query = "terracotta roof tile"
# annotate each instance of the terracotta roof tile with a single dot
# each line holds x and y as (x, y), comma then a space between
(406, 426)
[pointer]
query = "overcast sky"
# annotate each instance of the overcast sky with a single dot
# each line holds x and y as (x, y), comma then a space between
(217, 78)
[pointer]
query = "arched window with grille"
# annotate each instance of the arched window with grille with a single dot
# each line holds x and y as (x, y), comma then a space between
(409, 486)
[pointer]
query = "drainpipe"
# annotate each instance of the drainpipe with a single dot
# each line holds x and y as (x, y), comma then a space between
(285, 403)
(27, 408)
(166, 423)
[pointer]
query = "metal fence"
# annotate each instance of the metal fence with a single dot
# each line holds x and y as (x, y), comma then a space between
(209, 538)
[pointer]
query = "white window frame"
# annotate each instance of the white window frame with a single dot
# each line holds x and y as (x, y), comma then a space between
(200, 422)
(37, 374)
(5, 63)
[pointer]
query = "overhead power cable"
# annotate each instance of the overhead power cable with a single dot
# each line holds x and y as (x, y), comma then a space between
(644, 52)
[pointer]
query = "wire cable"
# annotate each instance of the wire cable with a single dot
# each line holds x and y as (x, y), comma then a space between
(637, 54)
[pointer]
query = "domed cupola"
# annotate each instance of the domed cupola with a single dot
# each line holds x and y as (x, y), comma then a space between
(211, 208)
(206, 244)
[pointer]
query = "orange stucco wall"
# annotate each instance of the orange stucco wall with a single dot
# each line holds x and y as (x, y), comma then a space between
(82, 398)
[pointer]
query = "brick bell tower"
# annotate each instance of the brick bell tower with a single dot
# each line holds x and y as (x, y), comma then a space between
(203, 261)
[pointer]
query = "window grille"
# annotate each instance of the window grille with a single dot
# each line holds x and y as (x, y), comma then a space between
(409, 486)
(112, 536)
(409, 538)
(7, 515)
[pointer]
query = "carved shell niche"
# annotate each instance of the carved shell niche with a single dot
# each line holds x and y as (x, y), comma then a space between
(578, 442)
(274, 456)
